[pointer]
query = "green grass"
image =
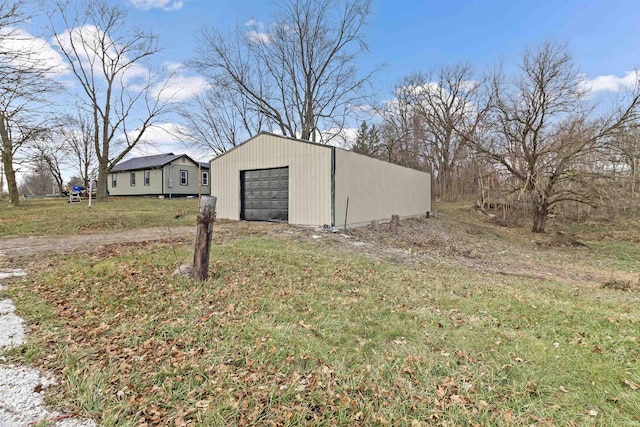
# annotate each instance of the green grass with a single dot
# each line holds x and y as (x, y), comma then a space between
(285, 333)
(35, 217)
(620, 255)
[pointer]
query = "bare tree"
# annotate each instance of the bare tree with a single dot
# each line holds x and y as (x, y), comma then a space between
(399, 130)
(38, 181)
(625, 147)
(446, 102)
(50, 153)
(544, 134)
(299, 73)
(217, 120)
(77, 136)
(24, 83)
(123, 97)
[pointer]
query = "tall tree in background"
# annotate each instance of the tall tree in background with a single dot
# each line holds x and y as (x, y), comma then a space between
(79, 133)
(24, 83)
(399, 139)
(217, 120)
(446, 103)
(38, 181)
(544, 134)
(122, 96)
(367, 140)
(300, 73)
(626, 146)
(50, 153)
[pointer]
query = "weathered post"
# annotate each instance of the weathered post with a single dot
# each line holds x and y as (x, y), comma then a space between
(395, 223)
(375, 225)
(206, 216)
(346, 213)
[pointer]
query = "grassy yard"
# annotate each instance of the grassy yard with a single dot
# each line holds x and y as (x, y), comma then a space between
(291, 330)
(37, 217)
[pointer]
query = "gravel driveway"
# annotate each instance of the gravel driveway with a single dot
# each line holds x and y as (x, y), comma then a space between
(22, 388)
(28, 246)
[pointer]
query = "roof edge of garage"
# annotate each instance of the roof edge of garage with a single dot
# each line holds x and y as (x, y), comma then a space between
(333, 147)
(276, 135)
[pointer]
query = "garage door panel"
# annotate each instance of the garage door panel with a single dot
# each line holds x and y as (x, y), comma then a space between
(265, 194)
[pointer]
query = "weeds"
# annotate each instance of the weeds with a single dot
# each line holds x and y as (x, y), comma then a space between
(468, 325)
(287, 334)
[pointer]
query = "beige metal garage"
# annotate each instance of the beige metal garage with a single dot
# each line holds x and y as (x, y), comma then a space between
(275, 178)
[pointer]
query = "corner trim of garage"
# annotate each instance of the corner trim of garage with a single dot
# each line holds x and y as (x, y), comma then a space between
(333, 186)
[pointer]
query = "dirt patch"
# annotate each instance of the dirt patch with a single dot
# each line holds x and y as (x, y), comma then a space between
(31, 246)
(477, 245)
(622, 285)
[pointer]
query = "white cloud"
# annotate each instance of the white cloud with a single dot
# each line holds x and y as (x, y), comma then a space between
(180, 88)
(100, 47)
(89, 39)
(165, 138)
(166, 5)
(135, 72)
(258, 37)
(159, 138)
(469, 85)
(41, 53)
(341, 138)
(257, 34)
(610, 83)
(173, 66)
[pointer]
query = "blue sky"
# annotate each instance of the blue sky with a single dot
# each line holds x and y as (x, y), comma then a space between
(418, 35)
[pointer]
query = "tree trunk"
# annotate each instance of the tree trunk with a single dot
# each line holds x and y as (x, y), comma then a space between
(540, 215)
(101, 190)
(57, 177)
(12, 184)
(7, 162)
(634, 162)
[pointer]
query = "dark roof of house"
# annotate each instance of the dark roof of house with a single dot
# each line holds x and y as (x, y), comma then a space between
(151, 162)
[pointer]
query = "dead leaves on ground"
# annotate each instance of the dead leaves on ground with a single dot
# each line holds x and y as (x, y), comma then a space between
(166, 352)
(631, 385)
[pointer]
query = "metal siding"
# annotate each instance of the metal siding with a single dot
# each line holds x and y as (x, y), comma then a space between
(309, 176)
(378, 189)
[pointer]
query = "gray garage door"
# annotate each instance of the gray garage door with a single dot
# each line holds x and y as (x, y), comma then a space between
(265, 194)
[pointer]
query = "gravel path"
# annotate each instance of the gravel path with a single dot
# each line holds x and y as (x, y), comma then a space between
(27, 246)
(22, 388)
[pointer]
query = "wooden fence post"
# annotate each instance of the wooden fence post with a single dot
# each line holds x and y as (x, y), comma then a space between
(206, 216)
(395, 223)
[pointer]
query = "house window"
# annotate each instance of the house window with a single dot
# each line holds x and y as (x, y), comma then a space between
(133, 179)
(147, 177)
(184, 177)
(114, 180)
(205, 178)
